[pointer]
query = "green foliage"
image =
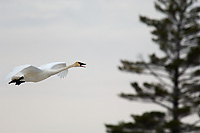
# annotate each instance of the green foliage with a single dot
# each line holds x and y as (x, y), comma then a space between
(146, 123)
(177, 72)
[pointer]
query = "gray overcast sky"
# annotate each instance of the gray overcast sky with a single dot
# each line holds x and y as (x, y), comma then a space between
(98, 32)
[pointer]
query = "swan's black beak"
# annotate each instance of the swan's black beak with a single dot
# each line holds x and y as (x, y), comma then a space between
(82, 64)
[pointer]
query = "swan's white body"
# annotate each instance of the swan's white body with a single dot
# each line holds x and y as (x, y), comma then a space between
(30, 73)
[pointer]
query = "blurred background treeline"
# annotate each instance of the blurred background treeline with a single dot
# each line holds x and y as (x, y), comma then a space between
(176, 70)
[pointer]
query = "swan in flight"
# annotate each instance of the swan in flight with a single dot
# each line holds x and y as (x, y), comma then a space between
(30, 73)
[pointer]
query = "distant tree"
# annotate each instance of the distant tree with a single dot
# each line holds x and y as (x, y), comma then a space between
(177, 71)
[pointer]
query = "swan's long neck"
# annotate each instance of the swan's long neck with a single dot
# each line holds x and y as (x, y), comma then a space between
(62, 69)
(67, 67)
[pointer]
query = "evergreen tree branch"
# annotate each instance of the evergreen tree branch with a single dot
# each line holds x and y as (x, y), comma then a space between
(145, 97)
(192, 126)
(161, 104)
(157, 76)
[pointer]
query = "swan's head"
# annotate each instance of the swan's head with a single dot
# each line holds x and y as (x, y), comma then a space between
(79, 64)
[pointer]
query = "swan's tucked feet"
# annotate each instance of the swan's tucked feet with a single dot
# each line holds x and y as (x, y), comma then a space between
(17, 81)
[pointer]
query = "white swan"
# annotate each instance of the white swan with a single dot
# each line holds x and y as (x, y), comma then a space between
(29, 73)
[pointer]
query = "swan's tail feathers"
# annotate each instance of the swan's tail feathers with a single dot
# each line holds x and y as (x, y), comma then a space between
(17, 81)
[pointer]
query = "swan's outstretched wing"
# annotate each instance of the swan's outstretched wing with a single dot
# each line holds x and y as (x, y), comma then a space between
(31, 69)
(15, 71)
(56, 65)
(22, 70)
(63, 74)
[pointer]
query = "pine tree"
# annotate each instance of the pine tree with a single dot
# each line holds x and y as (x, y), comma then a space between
(176, 70)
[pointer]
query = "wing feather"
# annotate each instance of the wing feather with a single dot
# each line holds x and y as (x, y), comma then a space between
(53, 65)
(31, 69)
(63, 74)
(56, 65)
(22, 70)
(15, 71)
